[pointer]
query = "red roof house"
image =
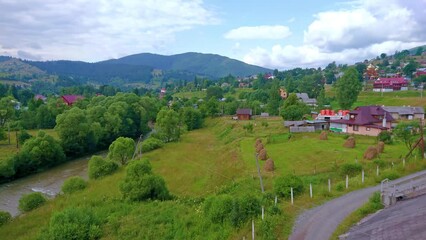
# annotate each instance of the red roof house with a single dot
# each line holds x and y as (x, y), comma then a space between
(244, 113)
(365, 120)
(71, 99)
(390, 84)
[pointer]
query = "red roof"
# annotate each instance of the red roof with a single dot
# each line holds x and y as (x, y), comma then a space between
(71, 99)
(391, 81)
(366, 116)
(244, 111)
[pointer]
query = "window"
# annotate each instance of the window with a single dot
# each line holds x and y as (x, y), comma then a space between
(355, 127)
(368, 129)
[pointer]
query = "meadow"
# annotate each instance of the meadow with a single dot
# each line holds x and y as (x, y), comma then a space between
(219, 159)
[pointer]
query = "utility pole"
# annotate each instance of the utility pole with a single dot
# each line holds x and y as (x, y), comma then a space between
(258, 172)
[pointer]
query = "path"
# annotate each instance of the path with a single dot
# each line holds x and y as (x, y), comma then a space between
(319, 223)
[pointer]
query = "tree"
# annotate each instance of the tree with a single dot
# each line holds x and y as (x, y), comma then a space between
(420, 80)
(78, 135)
(407, 132)
(293, 109)
(214, 91)
(7, 110)
(383, 55)
(167, 125)
(274, 100)
(141, 184)
(348, 88)
(99, 167)
(419, 51)
(192, 118)
(410, 68)
(121, 150)
(31, 201)
(73, 184)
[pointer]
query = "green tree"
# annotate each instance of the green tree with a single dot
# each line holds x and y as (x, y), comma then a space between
(121, 150)
(348, 88)
(167, 125)
(192, 118)
(407, 132)
(419, 51)
(7, 110)
(410, 68)
(31, 201)
(73, 184)
(141, 184)
(78, 135)
(419, 80)
(274, 100)
(293, 109)
(215, 92)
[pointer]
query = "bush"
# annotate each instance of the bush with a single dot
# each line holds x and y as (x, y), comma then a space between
(73, 184)
(350, 169)
(230, 209)
(23, 136)
(340, 186)
(7, 168)
(385, 137)
(31, 201)
(390, 174)
(140, 184)
(381, 163)
(151, 143)
(283, 185)
(98, 167)
(4, 217)
(73, 223)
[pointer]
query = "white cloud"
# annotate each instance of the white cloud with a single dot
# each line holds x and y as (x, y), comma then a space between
(95, 29)
(259, 32)
(362, 30)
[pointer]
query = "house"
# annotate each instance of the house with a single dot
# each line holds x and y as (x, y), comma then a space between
(40, 97)
(365, 120)
(306, 125)
(406, 113)
(71, 99)
(162, 93)
(420, 72)
(328, 114)
(244, 113)
(390, 84)
(305, 98)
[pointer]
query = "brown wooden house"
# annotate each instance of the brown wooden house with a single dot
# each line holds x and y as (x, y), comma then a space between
(244, 113)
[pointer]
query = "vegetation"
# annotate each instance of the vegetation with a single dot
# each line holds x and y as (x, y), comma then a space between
(283, 185)
(4, 217)
(151, 143)
(31, 201)
(348, 88)
(99, 167)
(121, 150)
(73, 184)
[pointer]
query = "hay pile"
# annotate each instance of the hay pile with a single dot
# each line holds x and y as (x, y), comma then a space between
(371, 153)
(269, 165)
(323, 135)
(350, 143)
(380, 147)
(259, 147)
(258, 141)
(263, 155)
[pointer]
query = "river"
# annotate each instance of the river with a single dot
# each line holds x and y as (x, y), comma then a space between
(48, 182)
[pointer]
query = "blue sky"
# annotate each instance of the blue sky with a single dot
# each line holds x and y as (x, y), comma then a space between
(271, 33)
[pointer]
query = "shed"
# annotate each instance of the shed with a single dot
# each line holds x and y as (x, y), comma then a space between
(244, 113)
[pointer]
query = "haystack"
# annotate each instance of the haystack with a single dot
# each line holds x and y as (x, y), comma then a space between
(350, 142)
(380, 147)
(263, 155)
(269, 165)
(259, 147)
(258, 141)
(323, 136)
(370, 153)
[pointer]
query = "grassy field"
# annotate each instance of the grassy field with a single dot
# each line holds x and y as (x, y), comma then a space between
(7, 150)
(220, 159)
(189, 95)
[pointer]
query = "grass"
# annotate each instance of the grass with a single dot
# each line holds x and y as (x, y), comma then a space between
(189, 95)
(7, 150)
(214, 160)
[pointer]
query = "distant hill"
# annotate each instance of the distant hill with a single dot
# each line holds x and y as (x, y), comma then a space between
(210, 65)
(15, 69)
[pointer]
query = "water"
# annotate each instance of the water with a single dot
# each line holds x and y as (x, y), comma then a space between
(48, 182)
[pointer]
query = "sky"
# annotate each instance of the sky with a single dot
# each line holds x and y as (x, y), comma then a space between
(277, 34)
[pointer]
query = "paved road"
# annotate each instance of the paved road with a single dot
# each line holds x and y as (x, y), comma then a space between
(404, 220)
(319, 223)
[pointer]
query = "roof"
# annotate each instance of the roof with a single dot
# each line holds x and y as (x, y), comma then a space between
(305, 98)
(244, 111)
(404, 110)
(391, 80)
(294, 123)
(70, 99)
(365, 115)
(40, 97)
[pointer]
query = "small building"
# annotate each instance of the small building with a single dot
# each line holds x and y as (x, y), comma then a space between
(306, 125)
(406, 112)
(390, 84)
(162, 93)
(244, 113)
(328, 114)
(40, 97)
(305, 99)
(365, 120)
(71, 99)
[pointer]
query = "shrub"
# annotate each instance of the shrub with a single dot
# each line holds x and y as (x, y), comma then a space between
(390, 174)
(385, 137)
(151, 143)
(140, 184)
(23, 136)
(283, 185)
(73, 184)
(73, 223)
(381, 163)
(248, 127)
(230, 209)
(31, 201)
(98, 167)
(340, 186)
(350, 169)
(7, 168)
(4, 217)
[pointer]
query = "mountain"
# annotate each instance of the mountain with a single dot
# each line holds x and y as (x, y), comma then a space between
(15, 69)
(210, 65)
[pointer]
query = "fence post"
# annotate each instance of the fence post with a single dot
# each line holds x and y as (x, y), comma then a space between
(403, 162)
(329, 185)
(347, 181)
(263, 212)
(291, 195)
(362, 176)
(310, 189)
(377, 170)
(276, 200)
(252, 229)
